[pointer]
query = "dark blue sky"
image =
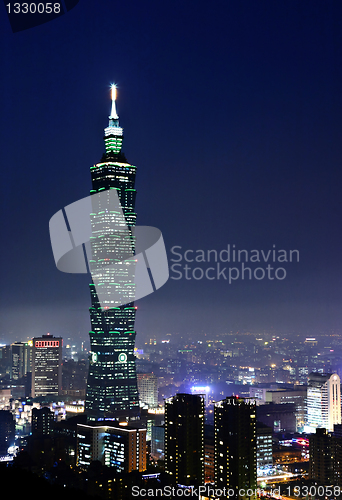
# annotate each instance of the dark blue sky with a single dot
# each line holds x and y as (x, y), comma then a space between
(232, 111)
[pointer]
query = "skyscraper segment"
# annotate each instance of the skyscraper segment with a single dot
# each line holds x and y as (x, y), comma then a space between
(323, 401)
(184, 439)
(235, 446)
(46, 366)
(112, 383)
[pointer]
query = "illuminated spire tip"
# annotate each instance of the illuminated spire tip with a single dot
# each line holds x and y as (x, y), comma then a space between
(113, 113)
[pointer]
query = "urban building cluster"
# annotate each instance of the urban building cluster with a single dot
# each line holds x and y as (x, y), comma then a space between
(240, 433)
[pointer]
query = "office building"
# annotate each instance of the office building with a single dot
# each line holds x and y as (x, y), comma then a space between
(280, 417)
(21, 359)
(157, 442)
(74, 378)
(148, 389)
(42, 421)
(46, 366)
(325, 458)
(338, 430)
(151, 417)
(112, 383)
(118, 446)
(5, 360)
(236, 445)
(184, 439)
(323, 402)
(264, 446)
(209, 453)
(275, 393)
(7, 431)
(205, 390)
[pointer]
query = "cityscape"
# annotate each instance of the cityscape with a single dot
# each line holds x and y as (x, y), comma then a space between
(170, 316)
(273, 403)
(239, 414)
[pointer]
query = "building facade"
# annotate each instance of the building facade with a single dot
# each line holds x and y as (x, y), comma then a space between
(46, 366)
(42, 421)
(264, 446)
(148, 389)
(157, 442)
(184, 439)
(209, 453)
(325, 458)
(121, 447)
(7, 431)
(112, 383)
(323, 402)
(21, 359)
(280, 417)
(236, 446)
(272, 393)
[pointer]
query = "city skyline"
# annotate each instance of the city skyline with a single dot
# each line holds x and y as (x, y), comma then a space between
(228, 374)
(241, 411)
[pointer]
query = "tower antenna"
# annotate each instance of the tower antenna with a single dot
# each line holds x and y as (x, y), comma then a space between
(113, 113)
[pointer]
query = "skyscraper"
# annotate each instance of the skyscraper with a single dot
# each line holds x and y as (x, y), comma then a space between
(235, 446)
(184, 439)
(7, 431)
(264, 445)
(112, 383)
(325, 458)
(323, 401)
(42, 421)
(21, 357)
(148, 389)
(46, 366)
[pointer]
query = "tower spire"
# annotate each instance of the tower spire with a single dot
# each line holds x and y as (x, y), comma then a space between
(113, 133)
(113, 113)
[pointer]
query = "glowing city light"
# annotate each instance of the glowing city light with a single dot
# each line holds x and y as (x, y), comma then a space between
(113, 113)
(113, 88)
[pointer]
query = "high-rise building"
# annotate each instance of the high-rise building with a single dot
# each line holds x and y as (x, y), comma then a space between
(42, 421)
(121, 447)
(325, 458)
(157, 442)
(264, 446)
(323, 401)
(112, 383)
(200, 389)
(277, 394)
(21, 359)
(5, 360)
(235, 446)
(7, 431)
(46, 366)
(209, 453)
(184, 439)
(280, 417)
(148, 389)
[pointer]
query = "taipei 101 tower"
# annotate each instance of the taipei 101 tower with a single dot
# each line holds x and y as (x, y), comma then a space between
(112, 382)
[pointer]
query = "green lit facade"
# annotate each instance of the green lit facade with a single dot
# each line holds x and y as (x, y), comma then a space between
(112, 382)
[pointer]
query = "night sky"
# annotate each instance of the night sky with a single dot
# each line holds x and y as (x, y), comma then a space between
(232, 112)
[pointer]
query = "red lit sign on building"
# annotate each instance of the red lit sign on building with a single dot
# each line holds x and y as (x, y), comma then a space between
(47, 343)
